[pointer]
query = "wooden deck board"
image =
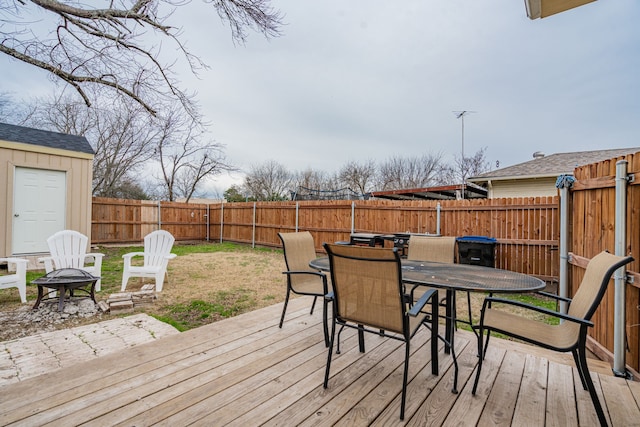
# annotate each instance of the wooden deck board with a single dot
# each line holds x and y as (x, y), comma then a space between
(247, 371)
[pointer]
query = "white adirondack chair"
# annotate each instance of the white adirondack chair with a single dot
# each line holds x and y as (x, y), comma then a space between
(17, 279)
(68, 249)
(157, 253)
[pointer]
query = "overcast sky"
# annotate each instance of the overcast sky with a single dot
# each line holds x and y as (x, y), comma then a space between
(371, 79)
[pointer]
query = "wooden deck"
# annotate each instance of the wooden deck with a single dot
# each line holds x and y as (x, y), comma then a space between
(245, 371)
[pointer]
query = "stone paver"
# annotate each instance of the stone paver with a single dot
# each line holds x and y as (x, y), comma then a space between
(38, 354)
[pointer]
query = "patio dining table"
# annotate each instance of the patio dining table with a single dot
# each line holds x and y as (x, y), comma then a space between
(457, 277)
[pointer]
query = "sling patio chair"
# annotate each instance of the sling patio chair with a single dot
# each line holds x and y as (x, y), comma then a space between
(299, 251)
(569, 335)
(430, 248)
(368, 295)
(435, 249)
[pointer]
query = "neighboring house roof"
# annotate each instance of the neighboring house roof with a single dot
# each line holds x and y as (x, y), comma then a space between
(552, 165)
(444, 192)
(44, 138)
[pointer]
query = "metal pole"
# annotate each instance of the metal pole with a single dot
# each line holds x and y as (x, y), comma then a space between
(297, 212)
(159, 216)
(353, 216)
(438, 219)
(563, 284)
(563, 183)
(619, 276)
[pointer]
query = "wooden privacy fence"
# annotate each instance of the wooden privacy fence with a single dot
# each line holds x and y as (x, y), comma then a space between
(593, 221)
(526, 229)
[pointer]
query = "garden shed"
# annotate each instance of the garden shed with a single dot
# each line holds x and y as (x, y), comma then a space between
(45, 181)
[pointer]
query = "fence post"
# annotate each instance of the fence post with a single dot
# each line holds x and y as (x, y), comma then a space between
(208, 224)
(619, 368)
(253, 231)
(353, 216)
(221, 219)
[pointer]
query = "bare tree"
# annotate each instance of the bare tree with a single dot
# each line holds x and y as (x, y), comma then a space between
(117, 44)
(314, 179)
(7, 113)
(471, 166)
(122, 134)
(409, 172)
(359, 177)
(268, 181)
(185, 160)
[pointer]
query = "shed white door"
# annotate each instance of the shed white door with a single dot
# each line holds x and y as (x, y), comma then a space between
(38, 208)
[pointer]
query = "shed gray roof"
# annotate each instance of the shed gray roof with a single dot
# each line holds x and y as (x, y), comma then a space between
(553, 164)
(44, 138)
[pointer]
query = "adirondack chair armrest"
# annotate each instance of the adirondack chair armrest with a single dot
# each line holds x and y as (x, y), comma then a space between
(170, 256)
(48, 263)
(19, 263)
(96, 257)
(132, 254)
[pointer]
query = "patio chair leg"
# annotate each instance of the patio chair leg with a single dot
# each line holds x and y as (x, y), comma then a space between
(582, 370)
(592, 389)
(313, 305)
(405, 377)
(361, 338)
(330, 352)
(325, 327)
(284, 308)
(434, 336)
(338, 344)
(481, 352)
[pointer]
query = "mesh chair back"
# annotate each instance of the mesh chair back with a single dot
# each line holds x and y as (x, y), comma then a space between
(432, 248)
(594, 284)
(367, 284)
(299, 251)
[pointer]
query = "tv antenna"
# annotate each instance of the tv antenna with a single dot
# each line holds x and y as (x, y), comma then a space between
(461, 115)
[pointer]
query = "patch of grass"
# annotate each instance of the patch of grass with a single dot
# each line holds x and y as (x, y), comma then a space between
(195, 313)
(170, 321)
(112, 261)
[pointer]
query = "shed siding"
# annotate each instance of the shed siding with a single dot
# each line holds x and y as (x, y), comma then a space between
(79, 169)
(537, 187)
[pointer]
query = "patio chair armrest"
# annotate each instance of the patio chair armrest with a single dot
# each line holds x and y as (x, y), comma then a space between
(325, 285)
(20, 263)
(315, 273)
(48, 263)
(537, 309)
(419, 305)
(132, 254)
(554, 296)
(170, 256)
(14, 260)
(94, 255)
